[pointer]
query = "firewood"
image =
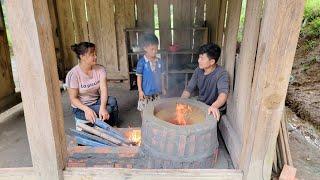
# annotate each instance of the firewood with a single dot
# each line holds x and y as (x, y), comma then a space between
(100, 134)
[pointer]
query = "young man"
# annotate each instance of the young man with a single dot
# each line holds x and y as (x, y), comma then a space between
(211, 80)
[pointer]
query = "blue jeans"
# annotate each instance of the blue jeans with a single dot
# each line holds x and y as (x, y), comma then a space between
(112, 108)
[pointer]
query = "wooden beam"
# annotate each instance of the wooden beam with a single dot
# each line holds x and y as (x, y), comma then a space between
(23, 173)
(29, 22)
(277, 43)
(231, 139)
(245, 68)
(132, 174)
(135, 174)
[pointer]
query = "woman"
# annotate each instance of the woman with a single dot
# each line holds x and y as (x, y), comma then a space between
(87, 88)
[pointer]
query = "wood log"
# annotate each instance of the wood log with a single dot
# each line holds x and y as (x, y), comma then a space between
(107, 127)
(286, 140)
(122, 139)
(100, 134)
(91, 137)
(88, 142)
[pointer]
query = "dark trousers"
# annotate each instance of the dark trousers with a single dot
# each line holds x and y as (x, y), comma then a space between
(112, 108)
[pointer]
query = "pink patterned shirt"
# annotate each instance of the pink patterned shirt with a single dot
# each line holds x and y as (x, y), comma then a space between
(88, 86)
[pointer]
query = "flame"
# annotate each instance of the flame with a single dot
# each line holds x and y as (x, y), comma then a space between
(134, 136)
(182, 111)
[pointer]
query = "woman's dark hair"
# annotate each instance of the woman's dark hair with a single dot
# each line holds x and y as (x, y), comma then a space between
(82, 48)
(212, 50)
(149, 39)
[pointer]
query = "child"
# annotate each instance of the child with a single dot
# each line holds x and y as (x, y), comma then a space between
(150, 72)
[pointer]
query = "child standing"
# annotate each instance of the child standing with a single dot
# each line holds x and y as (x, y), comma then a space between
(150, 72)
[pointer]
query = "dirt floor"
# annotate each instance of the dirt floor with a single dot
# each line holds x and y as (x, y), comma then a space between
(14, 147)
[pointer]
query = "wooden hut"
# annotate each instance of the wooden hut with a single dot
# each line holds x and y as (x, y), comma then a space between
(43, 31)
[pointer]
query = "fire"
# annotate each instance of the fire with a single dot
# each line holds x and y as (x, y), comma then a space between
(134, 136)
(182, 111)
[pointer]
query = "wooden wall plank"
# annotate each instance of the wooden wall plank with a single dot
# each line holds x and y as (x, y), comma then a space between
(80, 21)
(164, 23)
(213, 10)
(145, 13)
(124, 15)
(108, 36)
(30, 25)
(182, 19)
(278, 39)
(198, 18)
(6, 78)
(57, 39)
(94, 24)
(54, 23)
(245, 67)
(67, 33)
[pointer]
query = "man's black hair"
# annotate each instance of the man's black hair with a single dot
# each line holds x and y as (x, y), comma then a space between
(212, 50)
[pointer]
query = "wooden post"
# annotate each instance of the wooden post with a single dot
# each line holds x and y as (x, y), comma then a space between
(229, 49)
(229, 58)
(276, 49)
(245, 68)
(33, 46)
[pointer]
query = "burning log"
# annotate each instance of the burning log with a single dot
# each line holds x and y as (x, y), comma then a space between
(85, 135)
(101, 134)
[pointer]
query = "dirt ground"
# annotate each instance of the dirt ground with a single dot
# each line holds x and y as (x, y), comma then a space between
(303, 99)
(304, 142)
(304, 89)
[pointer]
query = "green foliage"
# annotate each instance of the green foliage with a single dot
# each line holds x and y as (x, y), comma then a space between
(311, 20)
(312, 29)
(311, 10)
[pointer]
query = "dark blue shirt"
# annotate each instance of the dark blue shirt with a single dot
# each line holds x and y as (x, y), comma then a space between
(210, 85)
(151, 80)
